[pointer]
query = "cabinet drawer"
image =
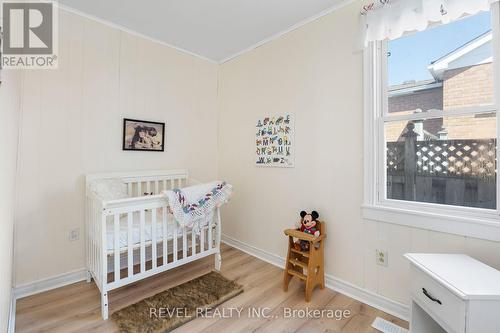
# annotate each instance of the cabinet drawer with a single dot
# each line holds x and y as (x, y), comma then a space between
(442, 304)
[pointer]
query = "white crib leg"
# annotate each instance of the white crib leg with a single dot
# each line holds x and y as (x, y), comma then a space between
(218, 257)
(218, 261)
(89, 276)
(104, 306)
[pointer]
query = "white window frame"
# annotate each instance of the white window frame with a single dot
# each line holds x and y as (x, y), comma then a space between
(466, 221)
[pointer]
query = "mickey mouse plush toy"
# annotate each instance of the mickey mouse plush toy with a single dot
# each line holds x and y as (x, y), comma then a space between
(308, 224)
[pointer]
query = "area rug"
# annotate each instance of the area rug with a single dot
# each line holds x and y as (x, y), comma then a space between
(176, 306)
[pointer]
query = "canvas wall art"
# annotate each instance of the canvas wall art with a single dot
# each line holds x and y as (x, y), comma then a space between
(274, 140)
(143, 135)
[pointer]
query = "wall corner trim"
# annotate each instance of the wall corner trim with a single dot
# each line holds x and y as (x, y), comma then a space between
(365, 296)
(50, 283)
(11, 325)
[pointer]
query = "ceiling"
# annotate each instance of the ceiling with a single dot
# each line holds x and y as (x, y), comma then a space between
(213, 29)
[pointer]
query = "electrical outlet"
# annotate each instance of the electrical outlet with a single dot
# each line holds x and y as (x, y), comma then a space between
(381, 258)
(74, 234)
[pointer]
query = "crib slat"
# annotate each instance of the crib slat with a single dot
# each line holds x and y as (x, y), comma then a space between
(148, 187)
(87, 225)
(88, 234)
(184, 242)
(210, 241)
(130, 248)
(103, 257)
(95, 243)
(218, 229)
(157, 189)
(99, 246)
(165, 236)
(153, 238)
(129, 189)
(139, 191)
(174, 236)
(93, 233)
(193, 243)
(164, 184)
(143, 242)
(202, 240)
(117, 246)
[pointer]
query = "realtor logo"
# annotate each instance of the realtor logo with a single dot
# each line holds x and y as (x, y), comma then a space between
(29, 34)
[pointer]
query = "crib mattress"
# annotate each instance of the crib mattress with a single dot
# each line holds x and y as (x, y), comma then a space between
(136, 231)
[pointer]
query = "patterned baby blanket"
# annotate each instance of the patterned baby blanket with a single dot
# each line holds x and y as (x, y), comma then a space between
(194, 206)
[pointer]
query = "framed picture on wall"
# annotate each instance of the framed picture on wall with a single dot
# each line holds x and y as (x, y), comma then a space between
(274, 141)
(143, 135)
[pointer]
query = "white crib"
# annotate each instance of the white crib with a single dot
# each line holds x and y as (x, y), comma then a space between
(122, 246)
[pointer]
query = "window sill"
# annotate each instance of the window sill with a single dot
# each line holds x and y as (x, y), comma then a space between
(478, 226)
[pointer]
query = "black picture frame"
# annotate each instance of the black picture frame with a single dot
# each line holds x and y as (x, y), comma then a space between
(147, 127)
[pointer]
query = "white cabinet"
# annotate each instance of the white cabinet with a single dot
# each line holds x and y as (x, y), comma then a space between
(453, 293)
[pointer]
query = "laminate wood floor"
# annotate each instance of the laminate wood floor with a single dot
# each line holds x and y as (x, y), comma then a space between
(76, 307)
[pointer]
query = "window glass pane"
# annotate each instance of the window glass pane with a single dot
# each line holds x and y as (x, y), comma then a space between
(444, 68)
(449, 160)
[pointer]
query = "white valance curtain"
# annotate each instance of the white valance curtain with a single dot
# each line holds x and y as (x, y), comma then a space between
(390, 19)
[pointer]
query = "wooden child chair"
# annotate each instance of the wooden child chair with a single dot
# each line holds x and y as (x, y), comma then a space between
(306, 265)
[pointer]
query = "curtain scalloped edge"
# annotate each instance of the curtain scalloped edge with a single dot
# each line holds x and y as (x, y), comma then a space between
(406, 20)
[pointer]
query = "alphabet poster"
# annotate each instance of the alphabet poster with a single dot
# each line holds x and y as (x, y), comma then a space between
(274, 140)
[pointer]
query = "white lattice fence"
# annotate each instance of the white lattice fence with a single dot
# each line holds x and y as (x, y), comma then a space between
(395, 158)
(445, 158)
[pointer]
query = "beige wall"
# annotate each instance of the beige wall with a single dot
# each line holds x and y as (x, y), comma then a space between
(72, 125)
(313, 73)
(9, 126)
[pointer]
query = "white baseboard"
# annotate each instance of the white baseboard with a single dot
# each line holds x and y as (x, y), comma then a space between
(271, 258)
(363, 295)
(368, 297)
(11, 326)
(50, 283)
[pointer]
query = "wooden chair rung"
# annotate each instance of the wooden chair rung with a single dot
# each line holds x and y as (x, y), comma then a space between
(297, 262)
(297, 274)
(305, 254)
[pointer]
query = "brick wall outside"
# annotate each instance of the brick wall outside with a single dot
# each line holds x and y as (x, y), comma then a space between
(465, 87)
(470, 127)
(468, 86)
(424, 100)
(406, 104)
(394, 130)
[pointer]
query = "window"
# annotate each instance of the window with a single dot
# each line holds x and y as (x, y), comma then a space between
(431, 124)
